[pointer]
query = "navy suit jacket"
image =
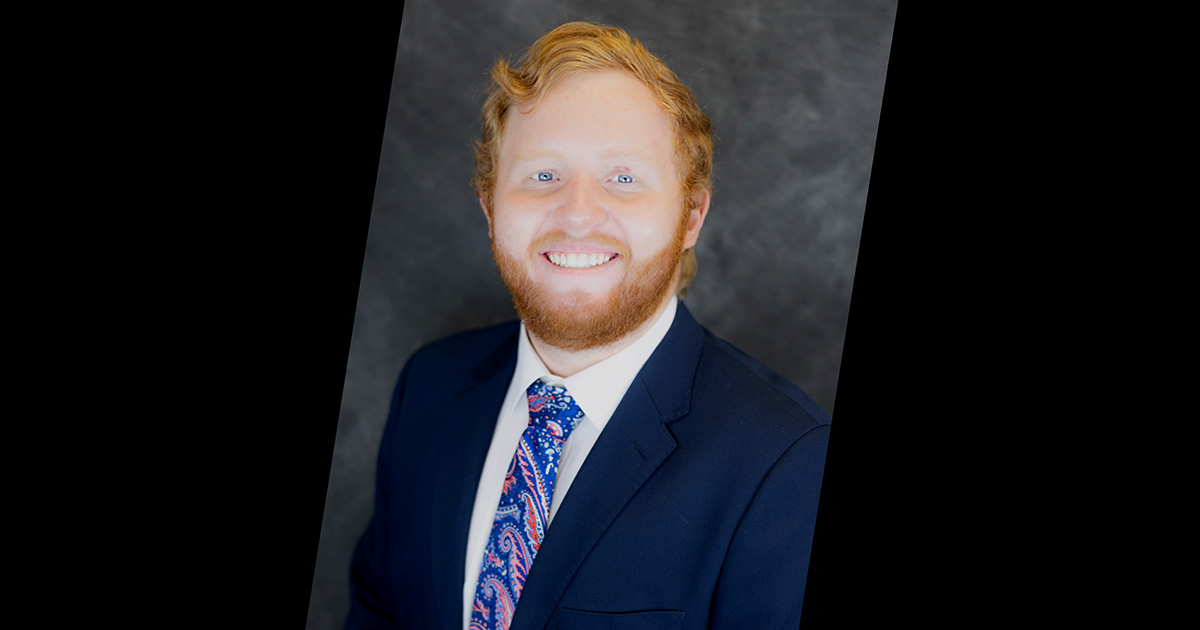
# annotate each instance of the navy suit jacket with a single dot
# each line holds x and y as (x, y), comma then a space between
(694, 509)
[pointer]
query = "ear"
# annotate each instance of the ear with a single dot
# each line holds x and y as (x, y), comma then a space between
(488, 215)
(698, 210)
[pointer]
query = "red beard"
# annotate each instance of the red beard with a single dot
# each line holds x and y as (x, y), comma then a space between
(578, 322)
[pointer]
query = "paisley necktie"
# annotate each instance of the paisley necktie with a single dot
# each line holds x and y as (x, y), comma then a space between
(522, 515)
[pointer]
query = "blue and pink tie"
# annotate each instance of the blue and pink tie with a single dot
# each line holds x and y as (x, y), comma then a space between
(522, 515)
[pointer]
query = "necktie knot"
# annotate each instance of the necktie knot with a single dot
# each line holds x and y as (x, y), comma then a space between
(552, 409)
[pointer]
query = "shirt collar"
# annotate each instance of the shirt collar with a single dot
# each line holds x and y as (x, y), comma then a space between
(599, 388)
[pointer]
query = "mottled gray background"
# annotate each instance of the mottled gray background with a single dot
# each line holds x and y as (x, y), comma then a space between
(793, 89)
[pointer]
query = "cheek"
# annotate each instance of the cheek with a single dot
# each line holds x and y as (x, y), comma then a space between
(511, 232)
(653, 229)
(503, 219)
(522, 219)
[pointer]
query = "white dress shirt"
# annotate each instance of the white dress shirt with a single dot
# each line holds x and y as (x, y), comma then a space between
(597, 390)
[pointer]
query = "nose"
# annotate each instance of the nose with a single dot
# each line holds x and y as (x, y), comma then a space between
(582, 209)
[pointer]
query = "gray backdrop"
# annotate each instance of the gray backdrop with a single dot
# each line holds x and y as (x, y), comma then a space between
(793, 89)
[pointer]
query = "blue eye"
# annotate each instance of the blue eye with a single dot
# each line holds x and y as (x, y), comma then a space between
(545, 176)
(624, 179)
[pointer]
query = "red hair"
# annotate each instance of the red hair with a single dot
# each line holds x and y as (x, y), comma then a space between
(582, 47)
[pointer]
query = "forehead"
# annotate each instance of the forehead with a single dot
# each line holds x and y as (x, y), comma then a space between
(605, 111)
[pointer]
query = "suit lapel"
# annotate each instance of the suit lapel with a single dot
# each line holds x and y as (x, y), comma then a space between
(632, 446)
(457, 477)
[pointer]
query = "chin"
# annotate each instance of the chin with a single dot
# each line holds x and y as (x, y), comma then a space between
(578, 320)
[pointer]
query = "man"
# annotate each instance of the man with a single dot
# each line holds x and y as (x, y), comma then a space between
(605, 462)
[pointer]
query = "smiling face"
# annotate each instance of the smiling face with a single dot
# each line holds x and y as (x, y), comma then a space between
(588, 221)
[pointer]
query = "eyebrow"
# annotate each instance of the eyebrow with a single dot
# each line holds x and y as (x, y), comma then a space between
(537, 154)
(530, 155)
(632, 154)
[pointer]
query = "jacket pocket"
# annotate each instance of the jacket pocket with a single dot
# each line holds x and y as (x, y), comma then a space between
(572, 619)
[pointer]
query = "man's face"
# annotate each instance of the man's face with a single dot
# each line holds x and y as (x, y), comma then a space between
(588, 220)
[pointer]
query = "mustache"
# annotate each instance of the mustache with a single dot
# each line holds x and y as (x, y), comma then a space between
(600, 240)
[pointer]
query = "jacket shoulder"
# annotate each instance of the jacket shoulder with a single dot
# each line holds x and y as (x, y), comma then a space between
(466, 351)
(750, 389)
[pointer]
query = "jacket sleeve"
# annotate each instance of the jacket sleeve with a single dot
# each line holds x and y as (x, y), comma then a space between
(766, 568)
(372, 592)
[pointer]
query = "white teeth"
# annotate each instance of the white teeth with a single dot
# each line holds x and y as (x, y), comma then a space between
(579, 261)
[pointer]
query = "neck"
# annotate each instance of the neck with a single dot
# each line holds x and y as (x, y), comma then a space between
(566, 363)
